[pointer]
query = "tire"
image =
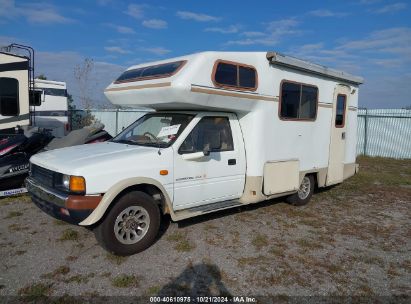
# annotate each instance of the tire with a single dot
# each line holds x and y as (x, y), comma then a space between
(130, 226)
(303, 196)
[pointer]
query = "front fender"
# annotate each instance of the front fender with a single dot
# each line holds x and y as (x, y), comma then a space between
(115, 190)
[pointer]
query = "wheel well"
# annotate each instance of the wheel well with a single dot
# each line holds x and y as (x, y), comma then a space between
(315, 176)
(149, 189)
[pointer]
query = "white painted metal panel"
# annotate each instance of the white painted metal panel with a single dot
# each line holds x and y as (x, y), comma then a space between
(281, 176)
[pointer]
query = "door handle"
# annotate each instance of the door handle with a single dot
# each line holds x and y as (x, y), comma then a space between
(232, 162)
(343, 135)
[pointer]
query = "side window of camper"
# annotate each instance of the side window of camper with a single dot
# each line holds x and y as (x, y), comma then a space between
(340, 113)
(235, 75)
(149, 72)
(298, 101)
(212, 133)
(9, 96)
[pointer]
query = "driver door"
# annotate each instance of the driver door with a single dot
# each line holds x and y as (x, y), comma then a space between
(215, 177)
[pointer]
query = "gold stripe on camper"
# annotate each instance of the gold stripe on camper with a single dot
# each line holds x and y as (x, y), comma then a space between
(232, 94)
(352, 108)
(137, 87)
(325, 105)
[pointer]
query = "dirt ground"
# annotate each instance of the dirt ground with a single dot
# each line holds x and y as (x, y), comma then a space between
(350, 240)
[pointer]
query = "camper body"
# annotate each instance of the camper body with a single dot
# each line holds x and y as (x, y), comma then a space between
(51, 112)
(230, 129)
(14, 92)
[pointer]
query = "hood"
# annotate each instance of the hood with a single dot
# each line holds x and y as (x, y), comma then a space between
(71, 159)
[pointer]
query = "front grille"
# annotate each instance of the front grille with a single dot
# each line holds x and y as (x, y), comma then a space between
(42, 175)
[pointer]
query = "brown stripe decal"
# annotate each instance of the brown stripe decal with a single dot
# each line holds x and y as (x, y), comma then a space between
(232, 94)
(325, 105)
(80, 202)
(352, 108)
(144, 86)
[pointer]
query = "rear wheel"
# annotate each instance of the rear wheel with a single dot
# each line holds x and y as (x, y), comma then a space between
(131, 225)
(304, 193)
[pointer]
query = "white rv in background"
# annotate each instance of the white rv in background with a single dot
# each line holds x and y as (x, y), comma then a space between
(51, 111)
(230, 129)
(14, 90)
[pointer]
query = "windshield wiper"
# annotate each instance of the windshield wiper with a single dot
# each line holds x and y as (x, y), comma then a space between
(125, 141)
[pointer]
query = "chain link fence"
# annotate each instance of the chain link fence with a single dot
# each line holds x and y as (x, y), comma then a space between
(384, 132)
(381, 132)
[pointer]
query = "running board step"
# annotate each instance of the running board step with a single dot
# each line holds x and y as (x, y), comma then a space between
(190, 212)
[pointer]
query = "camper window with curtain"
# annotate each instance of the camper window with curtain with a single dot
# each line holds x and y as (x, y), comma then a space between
(298, 101)
(235, 75)
(9, 96)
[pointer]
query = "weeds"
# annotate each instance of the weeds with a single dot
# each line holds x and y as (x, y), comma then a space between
(124, 281)
(69, 235)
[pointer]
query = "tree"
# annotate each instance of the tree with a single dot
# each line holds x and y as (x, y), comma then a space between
(41, 76)
(82, 75)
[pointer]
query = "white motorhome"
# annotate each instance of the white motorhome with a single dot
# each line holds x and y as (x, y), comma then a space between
(51, 111)
(14, 91)
(230, 129)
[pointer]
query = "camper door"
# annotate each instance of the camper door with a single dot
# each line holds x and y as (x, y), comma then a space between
(14, 91)
(338, 134)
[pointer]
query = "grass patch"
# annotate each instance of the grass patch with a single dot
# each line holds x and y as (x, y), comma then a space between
(71, 258)
(60, 271)
(277, 251)
(184, 246)
(35, 292)
(182, 243)
(309, 244)
(175, 237)
(116, 259)
(17, 227)
(153, 290)
(260, 241)
(124, 281)
(60, 223)
(13, 214)
(252, 261)
(15, 199)
(209, 227)
(69, 235)
(79, 278)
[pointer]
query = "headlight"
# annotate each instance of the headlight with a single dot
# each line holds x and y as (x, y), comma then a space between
(65, 181)
(71, 183)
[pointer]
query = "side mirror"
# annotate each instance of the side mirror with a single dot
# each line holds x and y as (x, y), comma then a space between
(206, 151)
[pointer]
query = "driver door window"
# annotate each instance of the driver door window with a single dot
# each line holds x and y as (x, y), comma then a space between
(211, 134)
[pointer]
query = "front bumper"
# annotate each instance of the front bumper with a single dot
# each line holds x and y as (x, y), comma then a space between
(69, 208)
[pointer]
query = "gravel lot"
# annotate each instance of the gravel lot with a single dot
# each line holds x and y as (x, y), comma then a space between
(353, 239)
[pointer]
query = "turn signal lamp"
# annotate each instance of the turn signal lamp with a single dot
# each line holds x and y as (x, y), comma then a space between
(77, 184)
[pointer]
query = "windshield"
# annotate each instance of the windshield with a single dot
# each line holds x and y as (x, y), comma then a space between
(157, 130)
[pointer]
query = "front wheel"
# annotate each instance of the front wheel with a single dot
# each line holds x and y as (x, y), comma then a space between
(131, 225)
(304, 193)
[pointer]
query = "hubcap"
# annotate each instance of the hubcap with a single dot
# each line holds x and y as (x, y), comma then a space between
(305, 188)
(131, 225)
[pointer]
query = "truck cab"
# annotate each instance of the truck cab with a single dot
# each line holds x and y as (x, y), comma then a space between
(181, 160)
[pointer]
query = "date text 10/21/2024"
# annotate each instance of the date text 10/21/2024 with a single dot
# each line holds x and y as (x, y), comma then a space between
(203, 299)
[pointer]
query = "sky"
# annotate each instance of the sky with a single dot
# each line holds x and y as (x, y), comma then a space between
(369, 38)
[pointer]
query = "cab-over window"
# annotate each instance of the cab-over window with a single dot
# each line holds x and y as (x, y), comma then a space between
(235, 75)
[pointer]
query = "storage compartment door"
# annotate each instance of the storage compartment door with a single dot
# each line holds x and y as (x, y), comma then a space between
(281, 176)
